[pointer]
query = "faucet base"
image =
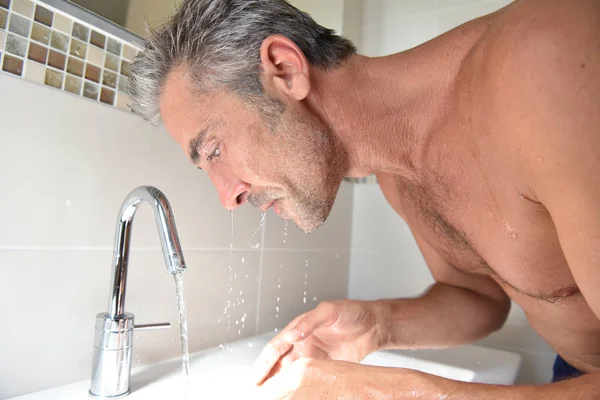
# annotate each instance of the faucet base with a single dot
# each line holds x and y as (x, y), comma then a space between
(120, 396)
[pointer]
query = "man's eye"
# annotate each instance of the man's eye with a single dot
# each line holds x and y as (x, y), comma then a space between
(216, 153)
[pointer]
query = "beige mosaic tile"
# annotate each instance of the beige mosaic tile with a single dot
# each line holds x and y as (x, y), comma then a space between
(47, 47)
(95, 55)
(34, 72)
(129, 52)
(123, 100)
(62, 24)
(23, 7)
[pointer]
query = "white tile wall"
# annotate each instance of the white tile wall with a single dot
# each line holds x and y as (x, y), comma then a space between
(66, 164)
(385, 260)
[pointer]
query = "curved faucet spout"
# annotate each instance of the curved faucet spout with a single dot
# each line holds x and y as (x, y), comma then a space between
(169, 240)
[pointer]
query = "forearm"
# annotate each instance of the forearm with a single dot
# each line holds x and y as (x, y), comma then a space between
(444, 316)
(586, 387)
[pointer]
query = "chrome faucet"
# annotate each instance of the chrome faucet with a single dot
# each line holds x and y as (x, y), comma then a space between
(111, 364)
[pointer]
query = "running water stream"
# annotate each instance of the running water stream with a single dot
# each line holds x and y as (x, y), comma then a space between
(183, 329)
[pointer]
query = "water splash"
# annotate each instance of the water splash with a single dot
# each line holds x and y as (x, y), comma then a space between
(183, 328)
(262, 221)
(305, 281)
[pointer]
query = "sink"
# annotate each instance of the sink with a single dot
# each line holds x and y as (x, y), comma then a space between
(213, 371)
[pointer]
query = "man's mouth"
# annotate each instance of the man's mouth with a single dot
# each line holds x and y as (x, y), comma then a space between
(267, 206)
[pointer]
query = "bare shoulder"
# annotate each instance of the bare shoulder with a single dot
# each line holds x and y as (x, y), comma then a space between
(536, 80)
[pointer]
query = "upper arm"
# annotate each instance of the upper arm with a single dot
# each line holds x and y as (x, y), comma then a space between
(553, 105)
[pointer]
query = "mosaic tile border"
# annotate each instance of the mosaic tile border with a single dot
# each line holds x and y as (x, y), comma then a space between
(371, 180)
(46, 46)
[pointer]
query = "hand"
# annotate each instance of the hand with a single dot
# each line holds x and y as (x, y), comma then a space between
(309, 379)
(344, 330)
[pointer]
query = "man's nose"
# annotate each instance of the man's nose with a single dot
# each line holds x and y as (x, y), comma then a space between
(232, 192)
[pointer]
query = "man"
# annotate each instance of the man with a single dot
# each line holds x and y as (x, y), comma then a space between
(486, 140)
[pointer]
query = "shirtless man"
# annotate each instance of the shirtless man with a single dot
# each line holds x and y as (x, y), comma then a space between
(486, 140)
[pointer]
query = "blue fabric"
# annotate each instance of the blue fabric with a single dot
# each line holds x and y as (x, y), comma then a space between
(563, 370)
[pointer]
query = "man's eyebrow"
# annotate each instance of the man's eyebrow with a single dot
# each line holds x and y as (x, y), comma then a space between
(195, 145)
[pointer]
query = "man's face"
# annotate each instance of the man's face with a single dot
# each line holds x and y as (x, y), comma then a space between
(288, 161)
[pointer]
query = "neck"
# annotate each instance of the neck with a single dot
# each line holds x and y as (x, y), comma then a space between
(385, 111)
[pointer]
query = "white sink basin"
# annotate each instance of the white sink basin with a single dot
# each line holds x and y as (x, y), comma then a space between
(226, 374)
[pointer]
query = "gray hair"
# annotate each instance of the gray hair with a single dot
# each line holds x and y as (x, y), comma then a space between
(218, 42)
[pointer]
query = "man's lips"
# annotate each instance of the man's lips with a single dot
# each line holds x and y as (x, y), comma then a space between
(266, 207)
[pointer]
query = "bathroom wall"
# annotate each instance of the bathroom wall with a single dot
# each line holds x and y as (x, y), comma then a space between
(66, 164)
(385, 260)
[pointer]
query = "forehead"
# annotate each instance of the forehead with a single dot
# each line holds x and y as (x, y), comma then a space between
(182, 111)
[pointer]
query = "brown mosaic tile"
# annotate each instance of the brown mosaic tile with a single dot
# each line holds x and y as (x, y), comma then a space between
(75, 66)
(92, 73)
(23, 7)
(125, 68)
(57, 60)
(81, 32)
(98, 39)
(16, 45)
(90, 90)
(109, 79)
(111, 62)
(43, 15)
(78, 48)
(59, 41)
(73, 84)
(19, 25)
(3, 18)
(12, 64)
(40, 33)
(2, 39)
(54, 78)
(37, 53)
(5, 3)
(113, 46)
(107, 96)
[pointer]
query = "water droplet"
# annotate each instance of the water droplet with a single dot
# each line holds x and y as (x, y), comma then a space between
(315, 298)
(262, 221)
(250, 345)
(277, 309)
(241, 292)
(276, 330)
(278, 299)
(221, 347)
(304, 300)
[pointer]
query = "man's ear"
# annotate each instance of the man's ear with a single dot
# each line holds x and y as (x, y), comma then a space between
(285, 67)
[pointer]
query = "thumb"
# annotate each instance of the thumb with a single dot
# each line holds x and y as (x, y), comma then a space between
(325, 314)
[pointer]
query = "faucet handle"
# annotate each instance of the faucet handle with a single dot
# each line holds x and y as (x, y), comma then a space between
(151, 327)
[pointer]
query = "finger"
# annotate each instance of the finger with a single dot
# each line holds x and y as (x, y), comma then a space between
(273, 351)
(283, 384)
(324, 314)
